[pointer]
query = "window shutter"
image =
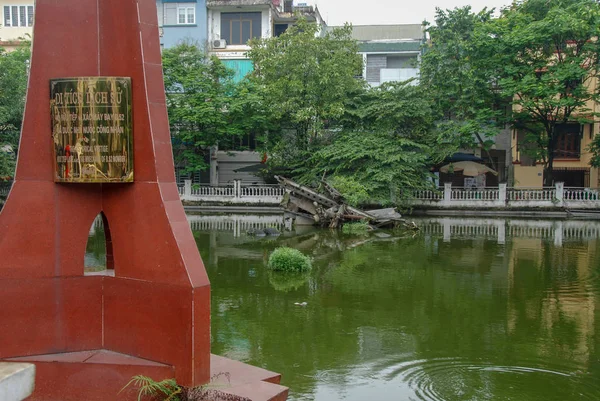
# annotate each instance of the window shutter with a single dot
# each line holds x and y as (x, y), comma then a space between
(7, 16)
(14, 10)
(22, 16)
(29, 15)
(171, 14)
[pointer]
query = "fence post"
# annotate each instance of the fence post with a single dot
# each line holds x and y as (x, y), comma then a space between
(187, 189)
(502, 194)
(237, 188)
(560, 193)
(447, 192)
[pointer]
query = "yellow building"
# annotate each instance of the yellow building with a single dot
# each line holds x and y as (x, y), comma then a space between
(17, 22)
(571, 158)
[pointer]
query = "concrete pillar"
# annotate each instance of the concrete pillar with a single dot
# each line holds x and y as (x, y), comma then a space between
(237, 188)
(560, 190)
(447, 192)
(502, 194)
(187, 189)
(214, 166)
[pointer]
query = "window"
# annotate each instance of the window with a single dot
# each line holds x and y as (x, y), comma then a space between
(186, 15)
(18, 16)
(568, 141)
(239, 28)
(279, 29)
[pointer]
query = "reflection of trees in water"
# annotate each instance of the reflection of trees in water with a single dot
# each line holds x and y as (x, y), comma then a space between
(417, 297)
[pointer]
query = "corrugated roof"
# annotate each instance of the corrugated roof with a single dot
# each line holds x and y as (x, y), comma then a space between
(387, 32)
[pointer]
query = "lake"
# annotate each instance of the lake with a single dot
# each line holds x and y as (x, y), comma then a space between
(464, 309)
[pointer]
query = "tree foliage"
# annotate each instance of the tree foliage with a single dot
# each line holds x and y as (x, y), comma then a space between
(199, 93)
(389, 143)
(545, 55)
(13, 88)
(457, 77)
(307, 77)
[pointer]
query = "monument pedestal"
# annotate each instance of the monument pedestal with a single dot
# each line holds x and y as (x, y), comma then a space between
(88, 335)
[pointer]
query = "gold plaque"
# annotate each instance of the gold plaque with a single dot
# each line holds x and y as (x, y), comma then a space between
(92, 129)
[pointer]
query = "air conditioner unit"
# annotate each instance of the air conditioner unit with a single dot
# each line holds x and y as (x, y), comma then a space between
(219, 44)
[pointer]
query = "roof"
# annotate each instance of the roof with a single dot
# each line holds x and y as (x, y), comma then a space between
(373, 47)
(387, 32)
(237, 3)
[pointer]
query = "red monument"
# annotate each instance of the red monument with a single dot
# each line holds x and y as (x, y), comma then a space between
(88, 335)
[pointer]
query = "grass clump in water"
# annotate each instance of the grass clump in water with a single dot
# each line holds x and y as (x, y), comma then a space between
(289, 260)
(357, 228)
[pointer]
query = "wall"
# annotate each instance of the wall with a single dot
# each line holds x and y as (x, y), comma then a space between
(241, 68)
(174, 33)
(528, 176)
(13, 33)
(229, 161)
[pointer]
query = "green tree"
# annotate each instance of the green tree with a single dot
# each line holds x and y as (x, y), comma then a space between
(457, 77)
(13, 87)
(546, 57)
(388, 144)
(199, 93)
(306, 78)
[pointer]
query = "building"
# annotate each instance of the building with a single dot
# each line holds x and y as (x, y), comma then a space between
(17, 22)
(572, 159)
(180, 20)
(232, 23)
(390, 53)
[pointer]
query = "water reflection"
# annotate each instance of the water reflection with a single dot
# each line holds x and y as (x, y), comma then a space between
(468, 309)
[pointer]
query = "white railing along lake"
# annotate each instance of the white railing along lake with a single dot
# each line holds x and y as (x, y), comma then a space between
(504, 197)
(232, 194)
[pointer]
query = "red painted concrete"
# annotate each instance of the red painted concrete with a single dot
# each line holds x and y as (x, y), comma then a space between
(97, 375)
(157, 307)
(247, 381)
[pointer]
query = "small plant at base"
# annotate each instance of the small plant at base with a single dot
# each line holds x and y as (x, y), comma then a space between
(357, 228)
(167, 389)
(289, 260)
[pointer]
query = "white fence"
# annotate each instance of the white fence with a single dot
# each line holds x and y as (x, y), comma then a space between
(558, 231)
(503, 197)
(239, 224)
(232, 194)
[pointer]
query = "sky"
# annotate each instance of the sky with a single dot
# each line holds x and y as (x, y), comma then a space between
(373, 12)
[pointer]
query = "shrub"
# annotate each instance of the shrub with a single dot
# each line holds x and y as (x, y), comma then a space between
(357, 228)
(289, 260)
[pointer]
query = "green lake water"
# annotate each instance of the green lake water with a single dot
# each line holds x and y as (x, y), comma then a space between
(466, 309)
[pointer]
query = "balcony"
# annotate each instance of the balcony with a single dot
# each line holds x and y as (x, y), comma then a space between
(398, 74)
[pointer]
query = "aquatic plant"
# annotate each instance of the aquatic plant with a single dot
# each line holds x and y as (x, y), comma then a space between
(289, 260)
(356, 228)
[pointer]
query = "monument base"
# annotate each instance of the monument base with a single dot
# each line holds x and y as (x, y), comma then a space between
(100, 375)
